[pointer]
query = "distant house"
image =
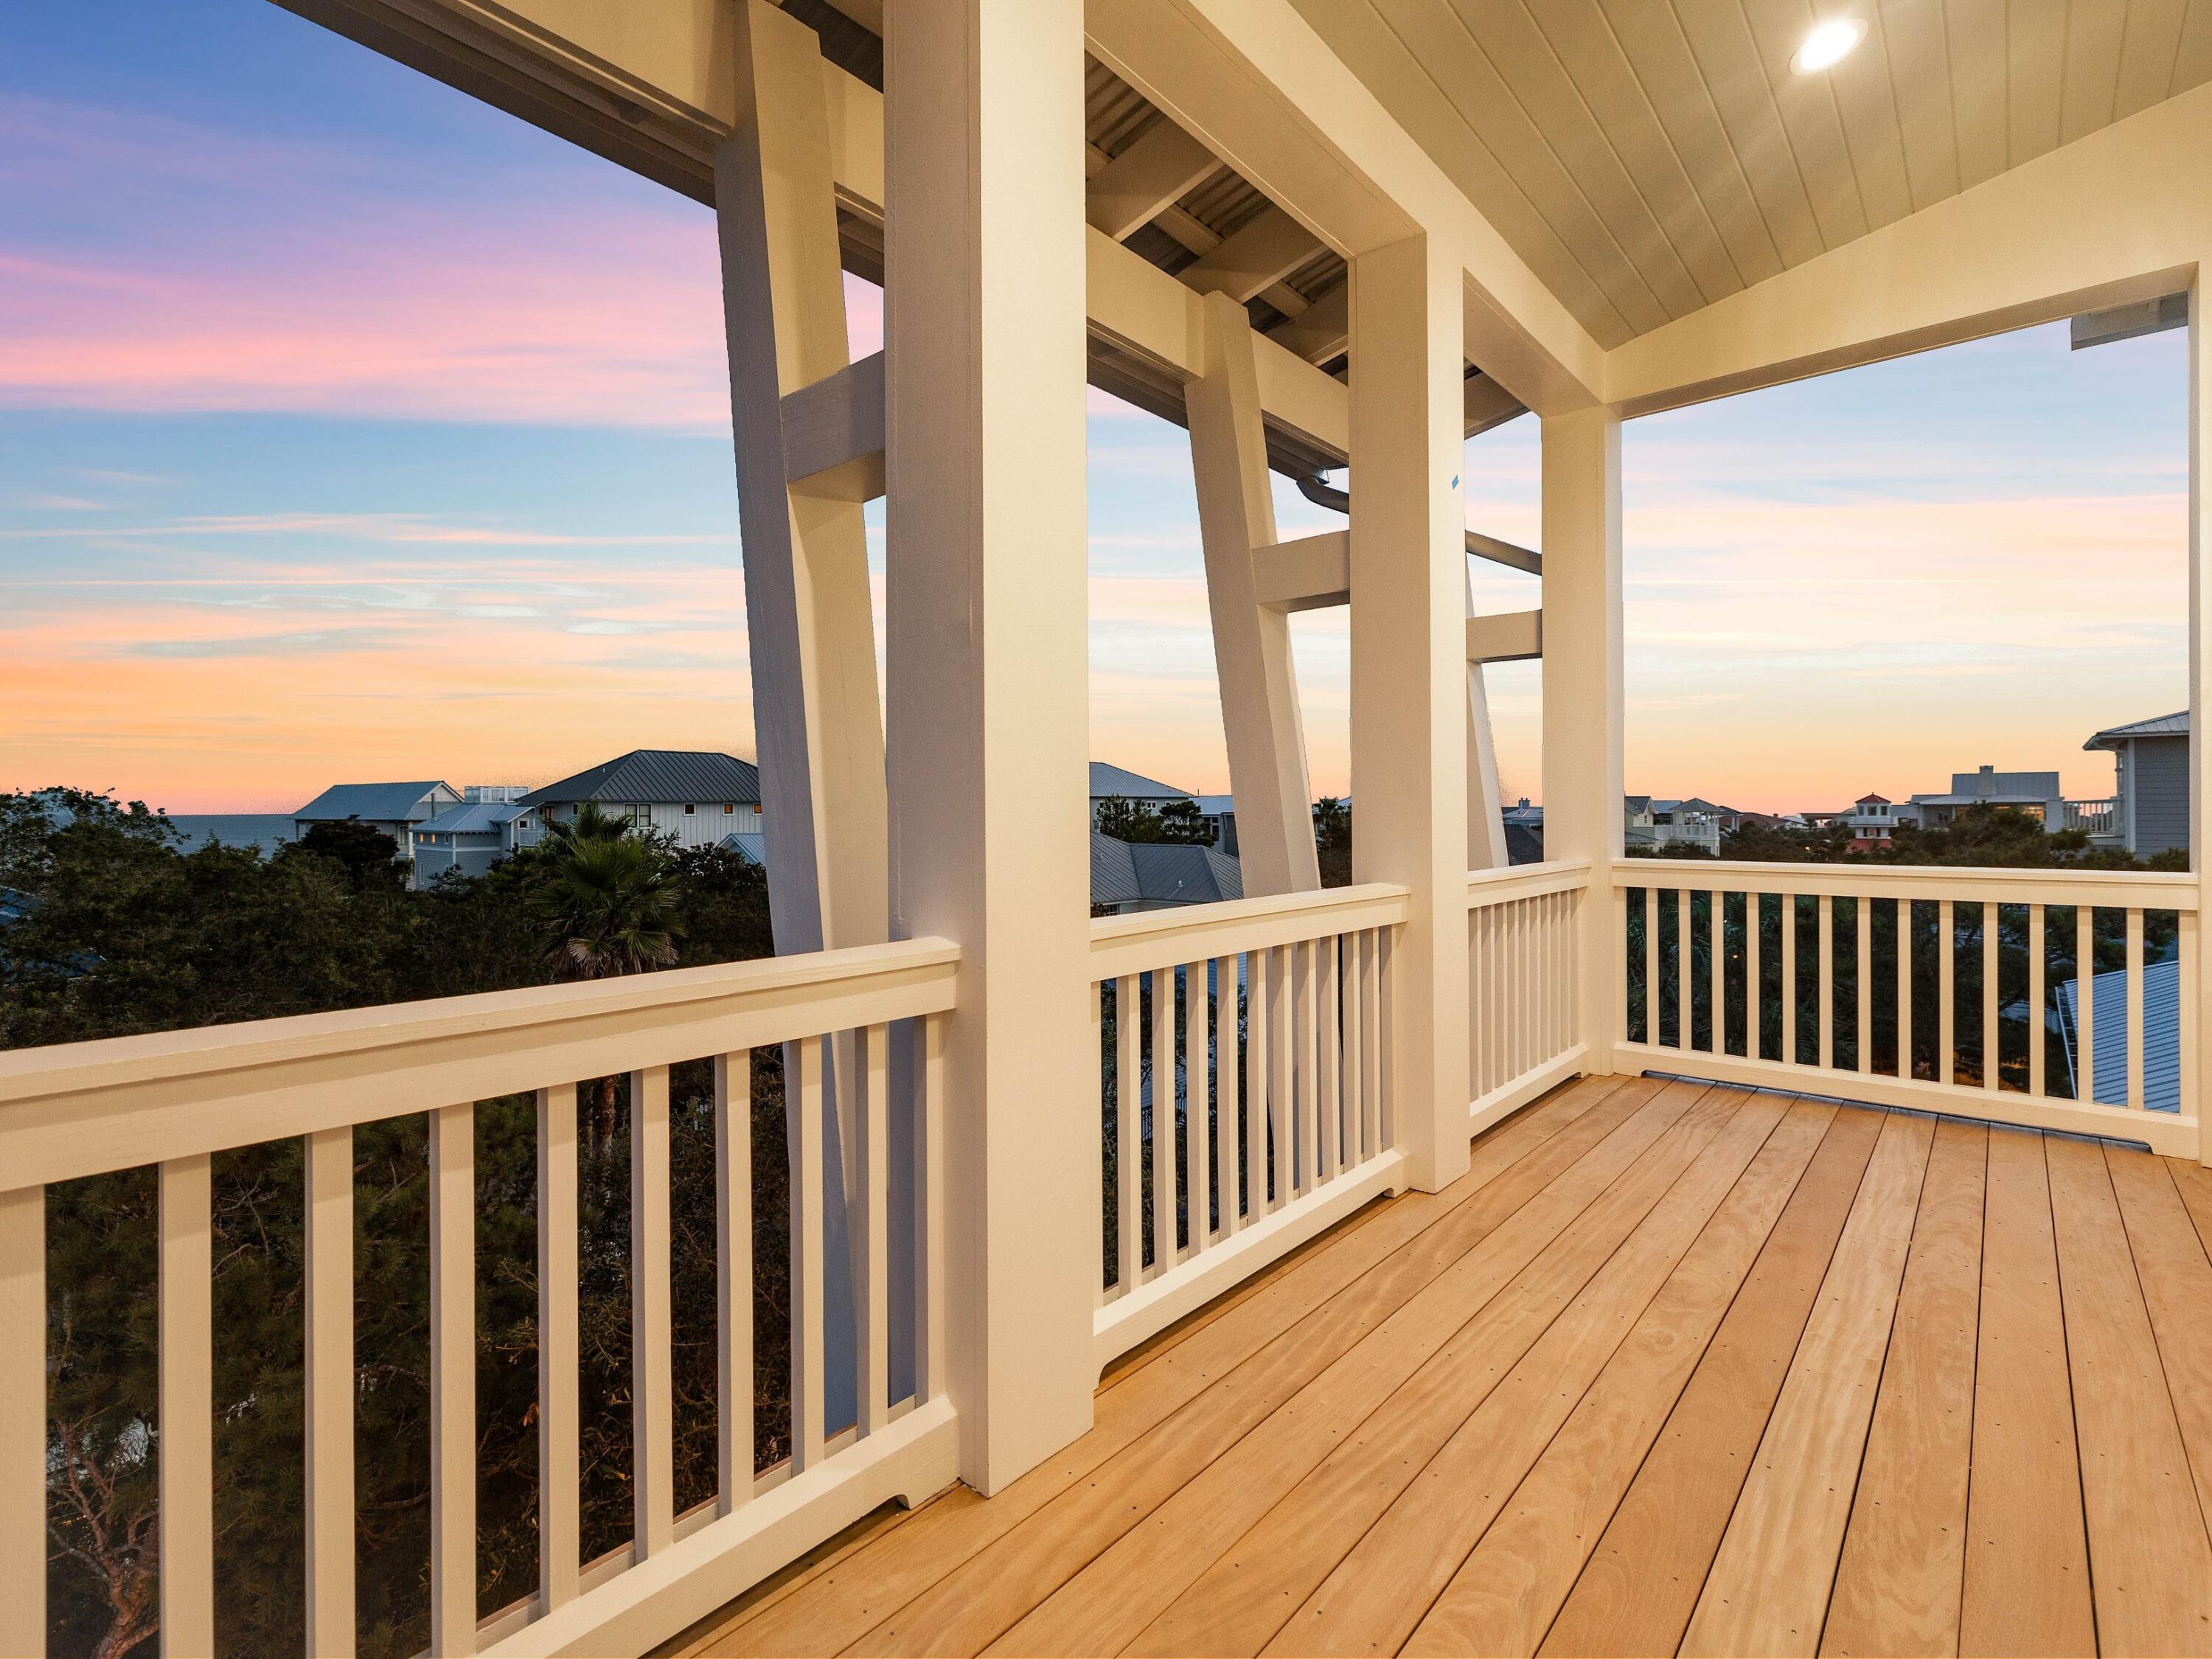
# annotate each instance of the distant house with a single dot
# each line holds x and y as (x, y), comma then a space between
(1218, 814)
(392, 808)
(697, 798)
(1651, 823)
(1873, 821)
(2150, 811)
(1119, 783)
(469, 838)
(2035, 794)
(1127, 876)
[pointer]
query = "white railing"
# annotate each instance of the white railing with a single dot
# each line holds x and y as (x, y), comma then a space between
(1523, 980)
(1244, 1100)
(2098, 817)
(1951, 990)
(174, 1100)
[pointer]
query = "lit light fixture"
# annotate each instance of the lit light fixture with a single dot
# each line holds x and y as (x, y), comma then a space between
(1829, 44)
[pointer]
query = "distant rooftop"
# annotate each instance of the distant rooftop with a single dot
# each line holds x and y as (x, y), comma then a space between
(648, 775)
(1118, 781)
(476, 818)
(1130, 873)
(2159, 725)
(377, 802)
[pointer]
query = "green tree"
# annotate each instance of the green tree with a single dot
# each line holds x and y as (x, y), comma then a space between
(1129, 820)
(370, 858)
(1332, 840)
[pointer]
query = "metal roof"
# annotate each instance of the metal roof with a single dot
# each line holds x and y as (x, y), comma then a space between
(1161, 872)
(1119, 782)
(750, 846)
(383, 802)
(2161, 1033)
(2159, 725)
(657, 775)
(476, 818)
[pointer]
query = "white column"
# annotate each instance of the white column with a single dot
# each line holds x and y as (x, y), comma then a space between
(809, 618)
(2200, 683)
(1582, 692)
(1409, 686)
(988, 668)
(1259, 717)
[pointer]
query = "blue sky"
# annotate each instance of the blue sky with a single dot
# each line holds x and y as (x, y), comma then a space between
(349, 428)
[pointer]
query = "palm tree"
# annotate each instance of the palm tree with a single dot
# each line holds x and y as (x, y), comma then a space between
(611, 905)
(592, 822)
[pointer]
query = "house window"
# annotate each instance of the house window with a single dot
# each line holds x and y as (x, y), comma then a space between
(729, 809)
(690, 809)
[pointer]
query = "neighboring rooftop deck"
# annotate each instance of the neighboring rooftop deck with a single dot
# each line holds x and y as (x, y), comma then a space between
(1672, 1367)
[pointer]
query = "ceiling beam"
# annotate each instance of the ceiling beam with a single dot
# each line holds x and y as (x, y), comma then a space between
(1255, 257)
(1162, 167)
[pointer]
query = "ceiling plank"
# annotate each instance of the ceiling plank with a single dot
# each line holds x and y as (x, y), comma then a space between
(1806, 103)
(1613, 98)
(1255, 257)
(1919, 59)
(1981, 80)
(1729, 65)
(1158, 170)
(2035, 37)
(1866, 100)
(1505, 33)
(1651, 46)
(2192, 56)
(1443, 54)
(2093, 68)
(2146, 57)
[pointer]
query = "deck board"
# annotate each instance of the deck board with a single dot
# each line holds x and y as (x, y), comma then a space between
(1672, 1367)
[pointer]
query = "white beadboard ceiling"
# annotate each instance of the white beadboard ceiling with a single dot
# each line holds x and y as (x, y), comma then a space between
(1648, 157)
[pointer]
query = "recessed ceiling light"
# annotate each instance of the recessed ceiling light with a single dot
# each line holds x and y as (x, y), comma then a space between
(1828, 44)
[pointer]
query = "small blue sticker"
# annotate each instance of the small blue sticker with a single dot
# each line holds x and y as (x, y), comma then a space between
(1454, 483)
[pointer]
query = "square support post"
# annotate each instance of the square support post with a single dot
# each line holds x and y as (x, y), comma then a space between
(1409, 709)
(2196, 1022)
(1582, 694)
(988, 664)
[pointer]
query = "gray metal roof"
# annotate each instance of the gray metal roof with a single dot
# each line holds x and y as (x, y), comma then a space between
(2159, 725)
(657, 775)
(1161, 872)
(2162, 1019)
(1118, 781)
(476, 818)
(751, 846)
(381, 803)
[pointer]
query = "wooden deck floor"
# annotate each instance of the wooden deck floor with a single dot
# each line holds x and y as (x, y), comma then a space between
(1674, 1368)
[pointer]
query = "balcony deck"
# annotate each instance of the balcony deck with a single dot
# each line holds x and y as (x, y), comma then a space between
(1673, 1368)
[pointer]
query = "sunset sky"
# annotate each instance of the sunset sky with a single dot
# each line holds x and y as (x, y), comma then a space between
(350, 429)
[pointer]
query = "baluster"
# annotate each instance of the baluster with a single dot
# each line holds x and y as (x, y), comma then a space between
(930, 1319)
(329, 1384)
(1863, 913)
(1621, 1010)
(2085, 1003)
(1164, 1120)
(1905, 1068)
(1823, 970)
(1099, 1116)
(1197, 1078)
(1282, 1075)
(1651, 966)
(2038, 1032)
(651, 1405)
(1306, 966)
(1717, 955)
(453, 1381)
(1358, 1148)
(1494, 997)
(1516, 991)
(1789, 979)
(1258, 1051)
(185, 1449)
(1326, 994)
(1683, 975)
(1947, 1021)
(2135, 1009)
(871, 1353)
(1754, 988)
(809, 1401)
(1128, 1133)
(2185, 927)
(733, 1278)
(1371, 1044)
(1385, 995)
(559, 1434)
(23, 1417)
(1227, 1118)
(1992, 1050)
